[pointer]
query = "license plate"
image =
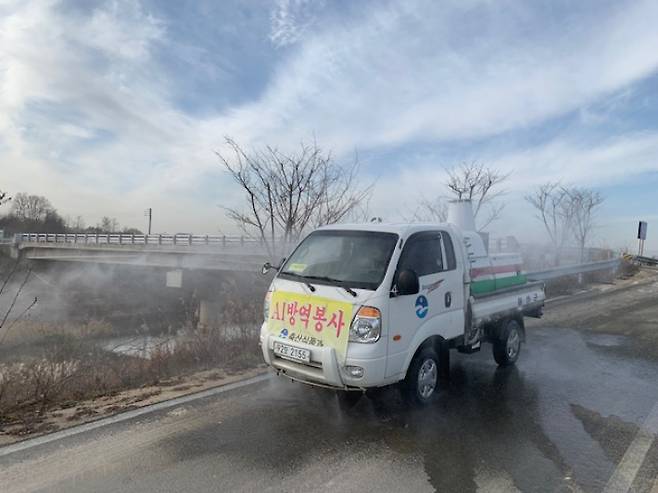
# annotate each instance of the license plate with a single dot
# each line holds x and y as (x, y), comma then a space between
(291, 352)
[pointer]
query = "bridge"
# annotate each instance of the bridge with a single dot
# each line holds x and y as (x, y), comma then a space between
(200, 257)
(205, 254)
(169, 251)
(195, 252)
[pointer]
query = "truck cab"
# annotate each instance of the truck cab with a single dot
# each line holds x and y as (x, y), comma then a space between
(362, 306)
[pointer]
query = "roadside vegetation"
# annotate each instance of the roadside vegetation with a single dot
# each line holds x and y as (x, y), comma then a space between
(28, 213)
(568, 285)
(72, 368)
(48, 366)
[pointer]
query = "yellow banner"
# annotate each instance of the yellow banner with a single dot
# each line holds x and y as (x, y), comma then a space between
(312, 320)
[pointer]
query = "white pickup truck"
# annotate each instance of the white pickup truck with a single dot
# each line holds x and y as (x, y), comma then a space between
(361, 306)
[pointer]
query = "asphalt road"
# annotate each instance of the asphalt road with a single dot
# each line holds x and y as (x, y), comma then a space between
(578, 413)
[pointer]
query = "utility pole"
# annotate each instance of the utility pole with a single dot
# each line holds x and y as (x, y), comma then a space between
(149, 213)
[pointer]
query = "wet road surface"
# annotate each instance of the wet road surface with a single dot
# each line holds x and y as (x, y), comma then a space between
(562, 420)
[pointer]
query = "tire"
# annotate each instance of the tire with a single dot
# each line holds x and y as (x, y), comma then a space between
(507, 346)
(422, 381)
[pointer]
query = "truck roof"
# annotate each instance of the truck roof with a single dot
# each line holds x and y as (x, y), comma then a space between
(402, 229)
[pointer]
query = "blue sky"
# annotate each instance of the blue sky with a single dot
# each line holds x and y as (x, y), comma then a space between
(108, 108)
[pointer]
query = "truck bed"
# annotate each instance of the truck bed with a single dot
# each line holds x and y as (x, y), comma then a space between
(527, 299)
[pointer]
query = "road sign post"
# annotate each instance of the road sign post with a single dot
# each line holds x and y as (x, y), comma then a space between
(149, 213)
(641, 236)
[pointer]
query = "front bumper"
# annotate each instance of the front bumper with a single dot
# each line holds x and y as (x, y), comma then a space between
(324, 369)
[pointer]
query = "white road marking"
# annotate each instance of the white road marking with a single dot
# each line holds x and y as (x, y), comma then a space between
(58, 435)
(624, 475)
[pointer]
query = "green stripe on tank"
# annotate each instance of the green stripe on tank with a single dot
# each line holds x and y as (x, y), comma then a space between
(490, 285)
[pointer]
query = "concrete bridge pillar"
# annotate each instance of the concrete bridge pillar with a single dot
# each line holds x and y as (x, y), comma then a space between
(204, 315)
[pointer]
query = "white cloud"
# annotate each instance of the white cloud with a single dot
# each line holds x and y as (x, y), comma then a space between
(398, 74)
(122, 30)
(410, 72)
(609, 162)
(292, 19)
(52, 61)
(605, 162)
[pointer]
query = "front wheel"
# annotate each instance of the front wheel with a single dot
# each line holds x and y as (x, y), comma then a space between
(507, 346)
(421, 384)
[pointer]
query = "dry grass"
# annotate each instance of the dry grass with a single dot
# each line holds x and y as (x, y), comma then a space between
(46, 366)
(572, 284)
(66, 365)
(73, 369)
(27, 332)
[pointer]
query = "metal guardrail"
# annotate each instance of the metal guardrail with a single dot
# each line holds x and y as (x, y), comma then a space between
(639, 259)
(137, 239)
(573, 270)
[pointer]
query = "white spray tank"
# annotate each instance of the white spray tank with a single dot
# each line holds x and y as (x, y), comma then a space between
(460, 213)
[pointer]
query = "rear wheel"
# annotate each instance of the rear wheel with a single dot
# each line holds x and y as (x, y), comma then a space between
(507, 347)
(422, 381)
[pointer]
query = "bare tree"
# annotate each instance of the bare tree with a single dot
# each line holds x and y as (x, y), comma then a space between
(76, 225)
(431, 211)
(13, 299)
(473, 181)
(481, 185)
(289, 192)
(361, 212)
(583, 203)
(4, 198)
(108, 225)
(30, 207)
(555, 211)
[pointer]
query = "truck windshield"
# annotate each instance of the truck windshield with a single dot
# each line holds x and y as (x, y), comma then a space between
(355, 259)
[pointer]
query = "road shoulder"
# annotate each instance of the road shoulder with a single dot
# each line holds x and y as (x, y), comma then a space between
(92, 410)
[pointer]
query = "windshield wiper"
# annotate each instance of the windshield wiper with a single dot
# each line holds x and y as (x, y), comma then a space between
(351, 291)
(331, 279)
(294, 274)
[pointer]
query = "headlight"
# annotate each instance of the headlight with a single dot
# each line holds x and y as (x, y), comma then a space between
(366, 326)
(266, 305)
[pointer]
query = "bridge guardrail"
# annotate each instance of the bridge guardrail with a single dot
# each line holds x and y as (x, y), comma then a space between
(137, 239)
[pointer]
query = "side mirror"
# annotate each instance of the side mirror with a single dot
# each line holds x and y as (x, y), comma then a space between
(268, 267)
(407, 283)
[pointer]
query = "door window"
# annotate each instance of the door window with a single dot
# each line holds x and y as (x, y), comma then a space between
(422, 254)
(451, 261)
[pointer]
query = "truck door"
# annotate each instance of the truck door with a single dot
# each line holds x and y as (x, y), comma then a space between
(437, 309)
